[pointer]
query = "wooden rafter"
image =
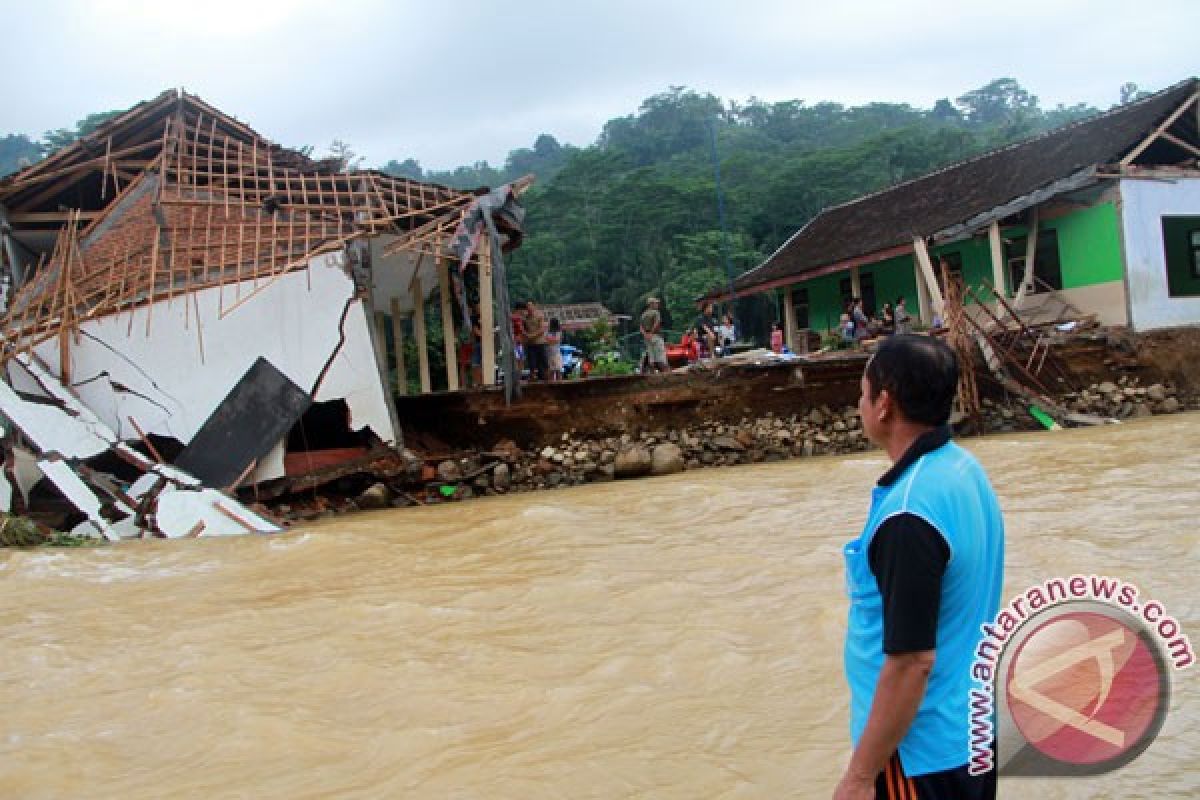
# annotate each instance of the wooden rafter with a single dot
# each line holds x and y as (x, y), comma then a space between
(1167, 123)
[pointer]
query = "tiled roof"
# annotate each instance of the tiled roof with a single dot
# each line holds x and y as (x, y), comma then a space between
(951, 195)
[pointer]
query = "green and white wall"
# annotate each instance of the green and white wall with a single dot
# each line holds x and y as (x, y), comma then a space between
(1089, 248)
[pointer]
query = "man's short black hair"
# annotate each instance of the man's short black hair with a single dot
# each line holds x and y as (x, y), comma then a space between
(921, 375)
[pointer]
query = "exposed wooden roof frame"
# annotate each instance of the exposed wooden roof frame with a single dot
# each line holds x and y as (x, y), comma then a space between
(1160, 130)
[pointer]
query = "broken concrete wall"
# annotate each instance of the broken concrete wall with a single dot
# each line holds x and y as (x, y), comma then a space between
(170, 364)
(1144, 204)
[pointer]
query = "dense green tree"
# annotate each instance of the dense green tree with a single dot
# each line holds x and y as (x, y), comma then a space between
(408, 168)
(999, 102)
(60, 138)
(17, 151)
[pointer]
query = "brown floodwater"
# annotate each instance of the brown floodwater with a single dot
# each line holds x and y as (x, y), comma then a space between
(669, 638)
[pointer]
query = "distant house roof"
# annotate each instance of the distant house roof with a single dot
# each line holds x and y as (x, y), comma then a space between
(577, 316)
(889, 219)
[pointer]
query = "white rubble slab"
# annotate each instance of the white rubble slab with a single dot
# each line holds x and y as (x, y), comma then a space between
(207, 512)
(77, 492)
(50, 428)
(26, 470)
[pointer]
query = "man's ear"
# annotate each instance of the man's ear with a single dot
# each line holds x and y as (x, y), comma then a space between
(885, 404)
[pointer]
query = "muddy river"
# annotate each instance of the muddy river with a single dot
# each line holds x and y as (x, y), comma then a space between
(669, 638)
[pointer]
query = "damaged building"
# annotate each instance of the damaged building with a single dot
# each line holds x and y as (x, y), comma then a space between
(190, 308)
(1101, 216)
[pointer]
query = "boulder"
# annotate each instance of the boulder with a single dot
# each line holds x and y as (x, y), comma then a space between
(1156, 393)
(501, 478)
(1169, 406)
(507, 449)
(377, 495)
(666, 459)
(727, 443)
(413, 464)
(632, 462)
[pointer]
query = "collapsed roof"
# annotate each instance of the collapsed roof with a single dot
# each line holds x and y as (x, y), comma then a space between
(173, 196)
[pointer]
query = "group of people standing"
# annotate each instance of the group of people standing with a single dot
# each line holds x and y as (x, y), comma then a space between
(706, 338)
(855, 325)
(714, 338)
(537, 342)
(536, 345)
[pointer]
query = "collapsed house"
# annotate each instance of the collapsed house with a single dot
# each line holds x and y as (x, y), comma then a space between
(1101, 216)
(190, 308)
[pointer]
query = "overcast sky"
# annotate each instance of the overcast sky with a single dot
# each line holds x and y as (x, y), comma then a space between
(451, 83)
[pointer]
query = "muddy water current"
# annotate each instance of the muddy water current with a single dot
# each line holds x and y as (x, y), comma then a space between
(669, 638)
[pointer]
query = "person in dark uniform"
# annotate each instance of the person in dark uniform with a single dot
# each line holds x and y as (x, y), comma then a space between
(706, 331)
(923, 576)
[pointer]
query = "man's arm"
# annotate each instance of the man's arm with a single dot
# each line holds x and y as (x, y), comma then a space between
(898, 695)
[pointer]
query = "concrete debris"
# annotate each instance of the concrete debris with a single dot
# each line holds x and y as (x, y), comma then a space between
(162, 501)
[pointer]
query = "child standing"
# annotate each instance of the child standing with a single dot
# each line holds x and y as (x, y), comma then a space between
(553, 351)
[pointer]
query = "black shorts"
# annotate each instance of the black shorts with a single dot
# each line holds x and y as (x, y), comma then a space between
(953, 784)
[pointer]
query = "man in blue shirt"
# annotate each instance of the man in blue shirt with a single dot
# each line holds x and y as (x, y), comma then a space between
(923, 576)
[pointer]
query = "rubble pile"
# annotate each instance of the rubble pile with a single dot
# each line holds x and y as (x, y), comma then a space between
(712, 444)
(1109, 400)
(575, 460)
(1125, 399)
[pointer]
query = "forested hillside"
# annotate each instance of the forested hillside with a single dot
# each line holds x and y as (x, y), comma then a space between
(636, 212)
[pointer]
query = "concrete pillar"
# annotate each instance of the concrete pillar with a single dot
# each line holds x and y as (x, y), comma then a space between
(398, 345)
(996, 248)
(928, 291)
(924, 304)
(1030, 254)
(487, 314)
(419, 334)
(789, 320)
(447, 325)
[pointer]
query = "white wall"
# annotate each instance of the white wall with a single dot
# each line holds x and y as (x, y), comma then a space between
(1143, 205)
(176, 376)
